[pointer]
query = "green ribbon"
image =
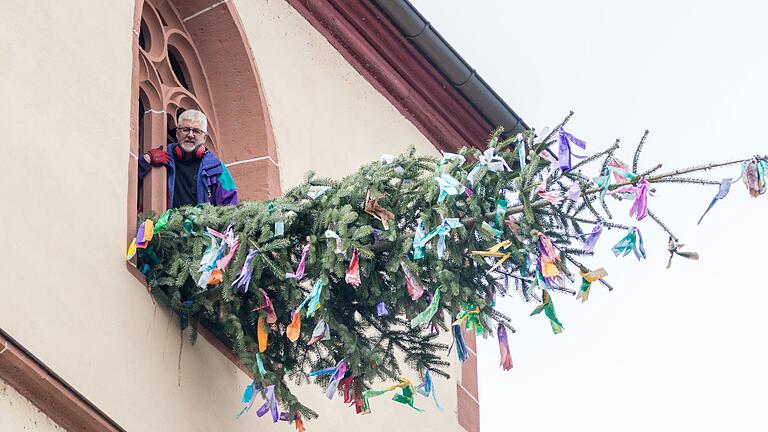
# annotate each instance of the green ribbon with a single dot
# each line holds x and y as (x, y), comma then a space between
(501, 211)
(163, 221)
(490, 231)
(406, 398)
(441, 231)
(470, 316)
(189, 227)
(549, 310)
(260, 365)
(426, 315)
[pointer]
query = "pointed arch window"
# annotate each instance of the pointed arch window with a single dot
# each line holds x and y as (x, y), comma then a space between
(193, 54)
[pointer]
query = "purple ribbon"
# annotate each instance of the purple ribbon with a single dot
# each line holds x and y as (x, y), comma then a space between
(244, 279)
(140, 235)
(566, 140)
(591, 241)
(270, 404)
(337, 373)
(381, 309)
(640, 206)
(505, 356)
(574, 192)
(300, 269)
(725, 187)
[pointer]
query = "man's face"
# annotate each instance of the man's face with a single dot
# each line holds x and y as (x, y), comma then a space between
(189, 134)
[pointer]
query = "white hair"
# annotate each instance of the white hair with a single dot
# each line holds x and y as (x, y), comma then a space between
(195, 115)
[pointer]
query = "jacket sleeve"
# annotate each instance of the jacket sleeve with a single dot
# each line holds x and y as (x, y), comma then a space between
(144, 168)
(226, 192)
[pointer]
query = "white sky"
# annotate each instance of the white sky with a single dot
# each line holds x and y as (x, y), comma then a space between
(668, 349)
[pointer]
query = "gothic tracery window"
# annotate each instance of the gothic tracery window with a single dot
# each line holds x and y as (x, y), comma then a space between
(194, 54)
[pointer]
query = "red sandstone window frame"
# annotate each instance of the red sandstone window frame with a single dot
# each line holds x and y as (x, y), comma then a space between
(217, 62)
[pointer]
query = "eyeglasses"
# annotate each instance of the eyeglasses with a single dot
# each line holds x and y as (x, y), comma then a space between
(186, 130)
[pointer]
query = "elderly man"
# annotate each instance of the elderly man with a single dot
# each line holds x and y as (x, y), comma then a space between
(195, 175)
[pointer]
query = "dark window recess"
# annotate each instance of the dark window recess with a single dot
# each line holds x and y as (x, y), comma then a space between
(171, 128)
(144, 36)
(178, 68)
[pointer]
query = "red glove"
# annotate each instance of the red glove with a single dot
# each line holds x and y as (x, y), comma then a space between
(158, 156)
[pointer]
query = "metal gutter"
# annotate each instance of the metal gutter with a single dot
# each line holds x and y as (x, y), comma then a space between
(450, 64)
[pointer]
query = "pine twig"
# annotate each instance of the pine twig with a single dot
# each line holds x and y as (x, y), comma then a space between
(636, 159)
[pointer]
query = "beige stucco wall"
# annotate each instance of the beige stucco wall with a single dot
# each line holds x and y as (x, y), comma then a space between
(325, 116)
(66, 295)
(18, 414)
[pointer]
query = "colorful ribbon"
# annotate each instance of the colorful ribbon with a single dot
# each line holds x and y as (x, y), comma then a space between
(427, 387)
(352, 276)
(493, 251)
(591, 238)
(381, 309)
(673, 248)
(261, 334)
(565, 154)
(426, 315)
(337, 373)
(505, 361)
(492, 161)
(462, 352)
(441, 231)
(725, 187)
(632, 242)
(373, 208)
(412, 283)
(247, 399)
(322, 332)
(316, 192)
(329, 234)
(470, 317)
(162, 222)
(418, 237)
(243, 280)
(231, 241)
(548, 307)
(552, 197)
(755, 173)
(574, 192)
(640, 205)
(270, 404)
(450, 157)
(586, 282)
(501, 211)
(406, 398)
(302, 263)
(448, 186)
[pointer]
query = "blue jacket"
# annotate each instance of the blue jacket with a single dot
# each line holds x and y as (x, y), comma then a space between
(214, 182)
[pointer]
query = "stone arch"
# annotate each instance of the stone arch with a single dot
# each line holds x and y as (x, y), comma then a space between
(193, 54)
